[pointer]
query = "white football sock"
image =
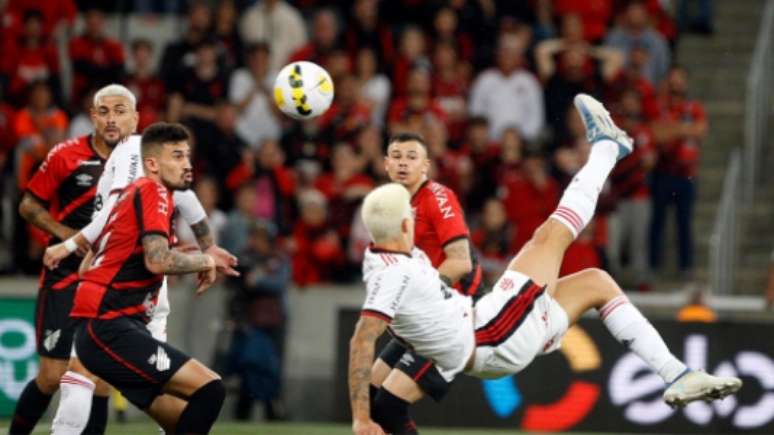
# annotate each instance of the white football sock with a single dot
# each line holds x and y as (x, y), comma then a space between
(634, 331)
(580, 197)
(75, 394)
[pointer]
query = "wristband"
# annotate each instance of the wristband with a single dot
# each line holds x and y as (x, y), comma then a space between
(70, 245)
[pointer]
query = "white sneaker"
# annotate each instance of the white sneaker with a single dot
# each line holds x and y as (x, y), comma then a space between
(699, 385)
(599, 125)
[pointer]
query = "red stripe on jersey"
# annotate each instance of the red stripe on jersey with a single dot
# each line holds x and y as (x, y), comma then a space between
(88, 297)
(126, 311)
(376, 314)
(66, 281)
(85, 198)
(423, 370)
(117, 358)
(471, 289)
(137, 284)
(505, 323)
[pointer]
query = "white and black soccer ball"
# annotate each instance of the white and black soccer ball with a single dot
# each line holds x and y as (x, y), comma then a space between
(303, 90)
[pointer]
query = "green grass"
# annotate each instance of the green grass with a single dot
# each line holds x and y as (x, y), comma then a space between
(229, 428)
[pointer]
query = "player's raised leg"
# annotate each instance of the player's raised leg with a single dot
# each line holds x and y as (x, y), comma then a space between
(595, 288)
(541, 257)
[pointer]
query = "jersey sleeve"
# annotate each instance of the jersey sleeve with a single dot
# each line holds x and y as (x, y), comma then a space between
(189, 206)
(384, 293)
(448, 218)
(46, 180)
(154, 210)
(127, 166)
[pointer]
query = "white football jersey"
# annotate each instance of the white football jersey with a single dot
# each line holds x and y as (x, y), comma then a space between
(433, 319)
(124, 166)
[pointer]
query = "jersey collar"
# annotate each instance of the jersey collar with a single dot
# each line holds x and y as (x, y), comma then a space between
(376, 250)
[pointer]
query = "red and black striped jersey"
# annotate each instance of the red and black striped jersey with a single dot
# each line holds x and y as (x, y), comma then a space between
(66, 183)
(118, 283)
(439, 220)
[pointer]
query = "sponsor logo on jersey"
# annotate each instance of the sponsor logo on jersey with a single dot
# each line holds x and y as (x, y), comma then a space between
(84, 180)
(52, 338)
(160, 360)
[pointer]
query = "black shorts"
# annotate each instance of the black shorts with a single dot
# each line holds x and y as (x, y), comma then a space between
(54, 328)
(421, 369)
(123, 353)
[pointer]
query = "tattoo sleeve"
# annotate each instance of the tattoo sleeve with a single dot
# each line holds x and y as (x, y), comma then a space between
(203, 234)
(160, 259)
(458, 261)
(361, 357)
(35, 213)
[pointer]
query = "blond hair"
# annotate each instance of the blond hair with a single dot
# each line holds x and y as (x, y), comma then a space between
(384, 210)
(115, 90)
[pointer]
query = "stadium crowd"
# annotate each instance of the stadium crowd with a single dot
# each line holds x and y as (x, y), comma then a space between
(488, 83)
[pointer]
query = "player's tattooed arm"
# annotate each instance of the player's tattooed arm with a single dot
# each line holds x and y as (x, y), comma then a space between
(159, 258)
(361, 357)
(203, 234)
(458, 262)
(35, 213)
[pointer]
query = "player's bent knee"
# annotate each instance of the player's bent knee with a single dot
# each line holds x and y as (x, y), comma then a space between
(49, 375)
(601, 285)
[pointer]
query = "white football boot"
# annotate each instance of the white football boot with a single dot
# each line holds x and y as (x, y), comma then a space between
(699, 385)
(599, 125)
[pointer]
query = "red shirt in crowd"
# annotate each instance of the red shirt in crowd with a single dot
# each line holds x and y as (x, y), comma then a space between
(629, 176)
(54, 11)
(581, 254)
(318, 253)
(528, 206)
(94, 59)
(439, 220)
(624, 81)
(25, 65)
(118, 284)
(595, 15)
(151, 99)
(680, 158)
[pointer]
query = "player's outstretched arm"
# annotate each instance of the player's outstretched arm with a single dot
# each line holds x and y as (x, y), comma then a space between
(160, 259)
(457, 263)
(224, 260)
(361, 357)
(35, 213)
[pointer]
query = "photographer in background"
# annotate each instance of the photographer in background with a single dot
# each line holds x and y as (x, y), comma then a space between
(258, 313)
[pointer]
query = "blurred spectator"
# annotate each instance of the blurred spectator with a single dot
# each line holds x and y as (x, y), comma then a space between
(582, 253)
(38, 127)
(374, 86)
(250, 89)
(578, 74)
(317, 251)
(359, 238)
(410, 112)
(630, 192)
(479, 20)
(509, 95)
(512, 149)
(451, 80)
(446, 31)
(234, 235)
(259, 308)
(146, 85)
(81, 123)
(325, 39)
(698, 20)
(347, 114)
(277, 23)
(366, 31)
(530, 198)
(180, 55)
(97, 59)
(634, 29)
(631, 78)
(484, 155)
(678, 134)
(198, 90)
(7, 134)
(344, 187)
(58, 15)
(221, 152)
(594, 15)
(206, 189)
(412, 54)
(697, 310)
(227, 34)
(275, 185)
(28, 57)
(369, 145)
(493, 240)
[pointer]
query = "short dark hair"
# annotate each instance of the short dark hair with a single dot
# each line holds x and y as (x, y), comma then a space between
(407, 136)
(160, 133)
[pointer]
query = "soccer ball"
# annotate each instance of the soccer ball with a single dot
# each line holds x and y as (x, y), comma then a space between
(303, 90)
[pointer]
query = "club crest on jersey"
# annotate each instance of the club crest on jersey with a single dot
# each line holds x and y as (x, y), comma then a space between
(84, 180)
(160, 360)
(52, 338)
